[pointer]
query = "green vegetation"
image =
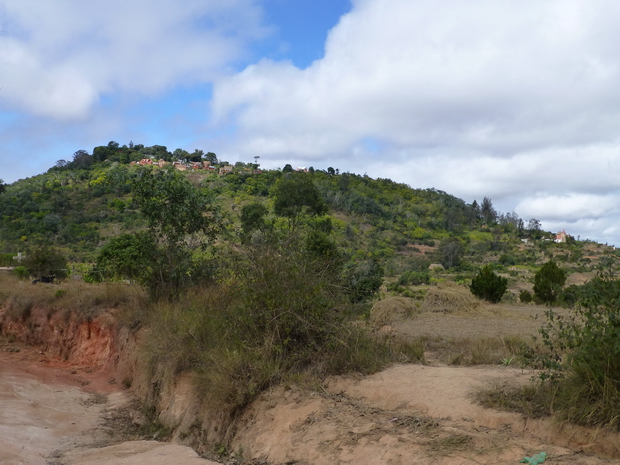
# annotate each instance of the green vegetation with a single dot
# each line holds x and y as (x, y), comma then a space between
(258, 277)
(548, 282)
(584, 359)
(46, 261)
(181, 222)
(487, 285)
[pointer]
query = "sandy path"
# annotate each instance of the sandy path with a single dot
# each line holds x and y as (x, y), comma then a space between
(411, 414)
(51, 415)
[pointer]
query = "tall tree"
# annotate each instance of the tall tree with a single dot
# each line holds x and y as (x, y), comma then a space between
(489, 214)
(181, 221)
(297, 196)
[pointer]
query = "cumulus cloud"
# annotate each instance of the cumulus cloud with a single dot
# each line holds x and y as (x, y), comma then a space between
(517, 100)
(480, 74)
(58, 57)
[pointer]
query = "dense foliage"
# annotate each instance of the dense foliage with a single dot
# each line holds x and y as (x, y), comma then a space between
(548, 282)
(584, 358)
(487, 285)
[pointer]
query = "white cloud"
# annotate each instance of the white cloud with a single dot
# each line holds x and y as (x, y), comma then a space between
(516, 100)
(57, 57)
(570, 207)
(481, 74)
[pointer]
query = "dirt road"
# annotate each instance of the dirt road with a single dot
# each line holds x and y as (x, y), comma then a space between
(51, 415)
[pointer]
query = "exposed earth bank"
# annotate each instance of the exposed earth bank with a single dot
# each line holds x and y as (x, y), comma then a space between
(54, 400)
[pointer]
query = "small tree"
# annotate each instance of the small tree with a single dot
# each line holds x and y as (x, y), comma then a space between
(182, 222)
(252, 217)
(450, 252)
(488, 286)
(46, 261)
(296, 196)
(363, 280)
(548, 282)
(525, 297)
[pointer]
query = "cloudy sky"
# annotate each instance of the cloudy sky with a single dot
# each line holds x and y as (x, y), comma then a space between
(516, 100)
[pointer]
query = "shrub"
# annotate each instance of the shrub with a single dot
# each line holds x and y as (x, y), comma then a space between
(21, 272)
(363, 280)
(414, 278)
(525, 297)
(45, 261)
(548, 282)
(584, 358)
(507, 259)
(488, 286)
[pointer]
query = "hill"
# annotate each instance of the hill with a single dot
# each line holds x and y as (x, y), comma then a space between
(79, 206)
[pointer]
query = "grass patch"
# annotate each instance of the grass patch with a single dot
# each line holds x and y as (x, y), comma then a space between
(534, 400)
(18, 297)
(504, 350)
(452, 443)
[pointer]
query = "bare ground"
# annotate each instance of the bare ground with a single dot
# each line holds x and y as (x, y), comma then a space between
(55, 414)
(51, 413)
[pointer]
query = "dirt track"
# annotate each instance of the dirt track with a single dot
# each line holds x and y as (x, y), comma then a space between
(51, 414)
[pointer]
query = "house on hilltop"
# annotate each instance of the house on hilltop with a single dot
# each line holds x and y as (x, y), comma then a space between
(226, 169)
(561, 237)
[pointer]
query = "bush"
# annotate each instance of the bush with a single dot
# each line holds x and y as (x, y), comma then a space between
(548, 282)
(21, 272)
(363, 280)
(584, 359)
(46, 261)
(525, 297)
(488, 286)
(507, 259)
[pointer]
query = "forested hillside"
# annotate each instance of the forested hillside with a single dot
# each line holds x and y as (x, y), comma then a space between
(77, 206)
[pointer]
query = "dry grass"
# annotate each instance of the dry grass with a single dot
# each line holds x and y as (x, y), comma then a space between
(392, 309)
(534, 400)
(451, 443)
(467, 351)
(18, 297)
(450, 298)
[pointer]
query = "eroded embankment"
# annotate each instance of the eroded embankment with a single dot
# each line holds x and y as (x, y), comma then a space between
(406, 414)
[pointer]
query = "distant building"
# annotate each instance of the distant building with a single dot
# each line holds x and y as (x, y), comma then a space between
(561, 237)
(226, 169)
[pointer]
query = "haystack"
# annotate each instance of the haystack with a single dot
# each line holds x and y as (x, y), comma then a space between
(392, 309)
(450, 298)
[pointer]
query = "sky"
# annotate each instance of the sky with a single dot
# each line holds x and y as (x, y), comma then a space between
(517, 100)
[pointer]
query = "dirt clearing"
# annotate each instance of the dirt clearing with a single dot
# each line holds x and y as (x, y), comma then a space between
(52, 414)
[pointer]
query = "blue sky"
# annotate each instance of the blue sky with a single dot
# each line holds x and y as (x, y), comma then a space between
(514, 100)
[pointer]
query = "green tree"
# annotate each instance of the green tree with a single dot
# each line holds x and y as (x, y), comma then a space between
(450, 252)
(182, 222)
(548, 282)
(297, 196)
(173, 207)
(46, 261)
(488, 286)
(128, 256)
(363, 280)
(584, 356)
(211, 157)
(487, 211)
(252, 217)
